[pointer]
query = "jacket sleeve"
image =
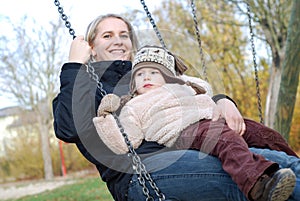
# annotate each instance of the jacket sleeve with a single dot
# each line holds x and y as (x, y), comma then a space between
(109, 131)
(110, 134)
(132, 125)
(75, 90)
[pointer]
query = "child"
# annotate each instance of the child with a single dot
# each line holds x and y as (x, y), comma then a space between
(164, 109)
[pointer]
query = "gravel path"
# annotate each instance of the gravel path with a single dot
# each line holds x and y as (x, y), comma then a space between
(15, 190)
(20, 189)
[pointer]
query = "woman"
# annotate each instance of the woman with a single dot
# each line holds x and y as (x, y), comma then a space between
(187, 175)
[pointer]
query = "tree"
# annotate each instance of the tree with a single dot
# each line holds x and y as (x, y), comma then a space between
(290, 74)
(278, 26)
(30, 61)
(271, 23)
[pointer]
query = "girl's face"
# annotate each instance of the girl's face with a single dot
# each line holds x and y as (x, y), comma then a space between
(112, 41)
(147, 79)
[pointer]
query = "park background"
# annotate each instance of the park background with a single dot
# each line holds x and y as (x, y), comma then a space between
(35, 44)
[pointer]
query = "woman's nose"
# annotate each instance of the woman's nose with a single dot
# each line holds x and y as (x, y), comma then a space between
(117, 40)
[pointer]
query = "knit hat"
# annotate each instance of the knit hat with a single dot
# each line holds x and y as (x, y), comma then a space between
(158, 58)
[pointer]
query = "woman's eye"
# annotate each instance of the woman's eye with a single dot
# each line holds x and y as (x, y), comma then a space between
(124, 36)
(106, 36)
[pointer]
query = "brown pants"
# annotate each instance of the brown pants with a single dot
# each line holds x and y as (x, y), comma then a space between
(217, 139)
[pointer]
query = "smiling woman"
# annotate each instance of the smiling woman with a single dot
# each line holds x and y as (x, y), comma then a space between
(112, 44)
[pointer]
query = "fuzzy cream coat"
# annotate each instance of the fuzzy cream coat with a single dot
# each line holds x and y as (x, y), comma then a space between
(158, 115)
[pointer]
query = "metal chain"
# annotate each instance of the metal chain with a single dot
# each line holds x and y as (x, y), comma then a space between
(95, 77)
(64, 18)
(255, 64)
(153, 24)
(138, 166)
(198, 39)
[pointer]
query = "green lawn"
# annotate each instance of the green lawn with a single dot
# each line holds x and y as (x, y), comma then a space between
(88, 189)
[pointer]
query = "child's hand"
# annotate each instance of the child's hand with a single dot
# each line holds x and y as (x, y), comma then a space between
(110, 103)
(227, 110)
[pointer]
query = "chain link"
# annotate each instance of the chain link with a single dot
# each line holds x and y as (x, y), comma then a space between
(255, 64)
(64, 18)
(95, 77)
(198, 39)
(153, 24)
(139, 167)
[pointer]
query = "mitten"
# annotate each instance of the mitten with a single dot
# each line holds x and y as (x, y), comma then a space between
(109, 104)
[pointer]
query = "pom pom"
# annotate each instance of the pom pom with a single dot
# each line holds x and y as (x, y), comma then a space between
(198, 89)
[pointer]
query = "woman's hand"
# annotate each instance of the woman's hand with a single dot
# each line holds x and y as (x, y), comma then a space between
(226, 109)
(80, 50)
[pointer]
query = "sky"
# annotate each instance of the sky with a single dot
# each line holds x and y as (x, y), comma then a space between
(79, 12)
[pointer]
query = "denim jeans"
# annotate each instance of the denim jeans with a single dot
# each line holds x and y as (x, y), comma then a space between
(194, 176)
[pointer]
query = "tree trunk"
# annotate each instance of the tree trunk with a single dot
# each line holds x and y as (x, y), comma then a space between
(272, 96)
(44, 133)
(290, 75)
(44, 128)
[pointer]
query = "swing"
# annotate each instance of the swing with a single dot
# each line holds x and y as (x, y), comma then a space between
(140, 168)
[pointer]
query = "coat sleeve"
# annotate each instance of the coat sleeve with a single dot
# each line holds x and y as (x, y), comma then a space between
(131, 123)
(110, 134)
(64, 125)
(109, 131)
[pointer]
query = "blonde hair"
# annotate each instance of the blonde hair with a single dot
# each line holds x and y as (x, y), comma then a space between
(92, 31)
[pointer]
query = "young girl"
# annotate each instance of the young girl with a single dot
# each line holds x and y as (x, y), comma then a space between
(166, 110)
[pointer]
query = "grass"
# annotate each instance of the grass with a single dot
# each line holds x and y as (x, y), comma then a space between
(85, 189)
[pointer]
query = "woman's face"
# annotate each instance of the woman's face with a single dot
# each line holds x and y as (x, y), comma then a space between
(112, 41)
